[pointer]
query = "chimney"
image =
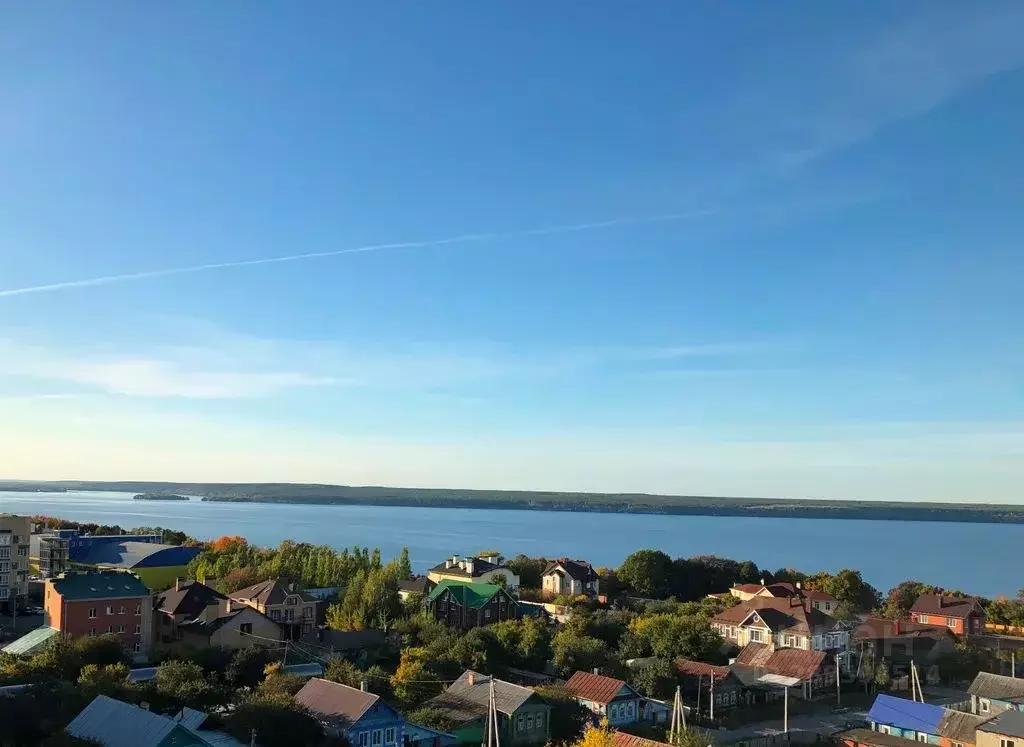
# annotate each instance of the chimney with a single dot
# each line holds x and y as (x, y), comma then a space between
(470, 566)
(472, 678)
(798, 585)
(448, 563)
(227, 605)
(177, 584)
(144, 705)
(362, 685)
(896, 627)
(762, 582)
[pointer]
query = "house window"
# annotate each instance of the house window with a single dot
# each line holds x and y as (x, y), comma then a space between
(92, 612)
(110, 610)
(922, 737)
(520, 723)
(245, 628)
(983, 705)
(755, 635)
(389, 735)
(120, 628)
(307, 612)
(138, 630)
(884, 729)
(791, 640)
(922, 619)
(487, 614)
(137, 647)
(529, 721)
(828, 606)
(377, 734)
(951, 622)
(110, 629)
(540, 721)
(732, 698)
(958, 744)
(1007, 743)
(121, 611)
(364, 739)
(138, 609)
(92, 631)
(275, 615)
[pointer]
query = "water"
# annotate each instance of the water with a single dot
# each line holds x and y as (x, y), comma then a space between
(973, 557)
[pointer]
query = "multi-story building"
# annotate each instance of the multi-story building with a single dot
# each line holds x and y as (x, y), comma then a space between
(49, 553)
(570, 577)
(97, 603)
(962, 615)
(465, 605)
(286, 604)
(14, 543)
(490, 569)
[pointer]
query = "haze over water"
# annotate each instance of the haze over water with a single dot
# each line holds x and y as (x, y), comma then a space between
(971, 557)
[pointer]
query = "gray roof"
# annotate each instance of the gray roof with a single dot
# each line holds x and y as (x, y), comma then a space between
(1010, 723)
(335, 701)
(115, 724)
(344, 640)
(465, 701)
(273, 591)
(121, 554)
(988, 685)
(31, 642)
(960, 726)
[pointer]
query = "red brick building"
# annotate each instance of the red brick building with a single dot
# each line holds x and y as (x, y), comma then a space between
(962, 615)
(97, 603)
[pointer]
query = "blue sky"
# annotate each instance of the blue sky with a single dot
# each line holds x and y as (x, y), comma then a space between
(697, 248)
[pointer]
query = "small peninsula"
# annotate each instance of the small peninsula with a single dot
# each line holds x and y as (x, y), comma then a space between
(160, 497)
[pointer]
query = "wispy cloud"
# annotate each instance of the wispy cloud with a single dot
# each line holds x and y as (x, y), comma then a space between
(427, 243)
(218, 364)
(904, 72)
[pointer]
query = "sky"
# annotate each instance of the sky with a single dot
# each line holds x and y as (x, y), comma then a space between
(698, 248)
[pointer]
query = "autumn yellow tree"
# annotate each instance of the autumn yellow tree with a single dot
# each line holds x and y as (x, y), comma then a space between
(596, 736)
(226, 542)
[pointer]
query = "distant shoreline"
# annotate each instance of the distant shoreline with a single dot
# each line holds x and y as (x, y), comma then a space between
(633, 503)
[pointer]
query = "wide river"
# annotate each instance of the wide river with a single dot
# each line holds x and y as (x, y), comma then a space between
(978, 558)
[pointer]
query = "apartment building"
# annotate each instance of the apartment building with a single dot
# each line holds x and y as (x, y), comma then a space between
(14, 543)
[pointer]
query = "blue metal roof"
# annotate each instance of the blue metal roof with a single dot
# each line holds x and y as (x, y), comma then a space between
(906, 714)
(138, 555)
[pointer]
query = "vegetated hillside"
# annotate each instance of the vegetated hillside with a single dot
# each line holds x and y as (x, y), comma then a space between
(553, 501)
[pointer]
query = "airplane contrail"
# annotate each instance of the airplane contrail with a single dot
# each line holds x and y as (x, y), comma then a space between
(463, 239)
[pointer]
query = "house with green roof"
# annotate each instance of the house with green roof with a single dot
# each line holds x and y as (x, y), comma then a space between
(465, 605)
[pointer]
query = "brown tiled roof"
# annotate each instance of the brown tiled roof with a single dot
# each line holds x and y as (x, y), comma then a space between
(789, 662)
(874, 628)
(594, 687)
(749, 588)
(819, 596)
(622, 739)
(779, 614)
(580, 570)
(700, 668)
(959, 726)
(273, 591)
(936, 604)
(190, 598)
(334, 700)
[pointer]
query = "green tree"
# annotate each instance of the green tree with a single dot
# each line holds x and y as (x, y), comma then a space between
(647, 572)
(276, 722)
(902, 597)
(433, 718)
(187, 684)
(413, 682)
(404, 569)
(655, 680)
(110, 680)
(528, 569)
(247, 665)
(344, 672)
(574, 653)
(568, 716)
(673, 636)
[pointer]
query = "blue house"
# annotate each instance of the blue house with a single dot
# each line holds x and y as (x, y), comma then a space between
(361, 717)
(905, 718)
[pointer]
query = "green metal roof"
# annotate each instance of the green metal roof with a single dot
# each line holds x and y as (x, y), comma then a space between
(99, 585)
(469, 595)
(31, 642)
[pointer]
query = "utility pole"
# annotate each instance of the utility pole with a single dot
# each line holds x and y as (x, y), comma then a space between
(678, 725)
(711, 697)
(839, 690)
(785, 711)
(1013, 662)
(699, 678)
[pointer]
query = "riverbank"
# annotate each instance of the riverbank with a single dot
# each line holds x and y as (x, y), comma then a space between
(618, 503)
